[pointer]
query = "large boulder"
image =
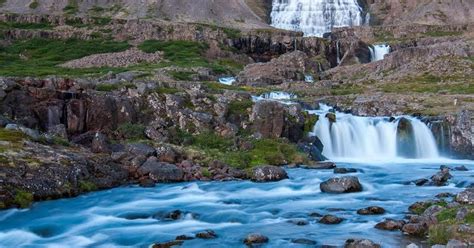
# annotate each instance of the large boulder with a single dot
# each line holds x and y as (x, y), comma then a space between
(273, 119)
(161, 172)
(255, 238)
(286, 68)
(390, 225)
(441, 178)
(347, 184)
(268, 173)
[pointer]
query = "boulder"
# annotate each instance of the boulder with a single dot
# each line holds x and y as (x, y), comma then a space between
(466, 196)
(405, 138)
(415, 229)
(456, 244)
(421, 182)
(360, 243)
(347, 184)
(140, 149)
(208, 234)
(169, 244)
(255, 238)
(319, 166)
(441, 178)
(390, 225)
(372, 210)
(161, 172)
(100, 144)
(299, 222)
(268, 173)
(330, 219)
(344, 170)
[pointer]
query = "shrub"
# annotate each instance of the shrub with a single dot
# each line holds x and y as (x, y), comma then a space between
(23, 199)
(86, 186)
(240, 107)
(132, 131)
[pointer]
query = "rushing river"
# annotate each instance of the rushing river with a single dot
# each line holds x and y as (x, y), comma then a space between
(121, 217)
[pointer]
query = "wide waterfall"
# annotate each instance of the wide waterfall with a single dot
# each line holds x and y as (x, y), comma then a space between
(378, 52)
(315, 17)
(349, 136)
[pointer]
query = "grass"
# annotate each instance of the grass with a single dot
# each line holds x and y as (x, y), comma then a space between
(86, 186)
(131, 131)
(182, 75)
(341, 90)
(71, 8)
(446, 229)
(428, 83)
(180, 53)
(24, 25)
(442, 33)
(41, 57)
(23, 199)
(232, 33)
(11, 135)
(164, 90)
(106, 87)
(237, 107)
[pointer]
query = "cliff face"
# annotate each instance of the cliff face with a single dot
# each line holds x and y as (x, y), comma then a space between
(393, 12)
(220, 12)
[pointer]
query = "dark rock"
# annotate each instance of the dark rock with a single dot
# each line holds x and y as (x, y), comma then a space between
(444, 195)
(406, 139)
(299, 222)
(268, 173)
(390, 225)
(100, 144)
(331, 117)
(330, 219)
(161, 172)
(208, 234)
(176, 214)
(255, 238)
(360, 243)
(415, 229)
(344, 170)
(315, 215)
(456, 244)
(140, 149)
(146, 183)
(461, 168)
(184, 237)
(169, 244)
(341, 185)
(304, 241)
(440, 178)
(421, 182)
(432, 211)
(320, 166)
(166, 154)
(373, 210)
(466, 197)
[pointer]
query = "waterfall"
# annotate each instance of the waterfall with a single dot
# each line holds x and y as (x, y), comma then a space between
(338, 53)
(378, 52)
(315, 17)
(308, 79)
(350, 136)
(227, 80)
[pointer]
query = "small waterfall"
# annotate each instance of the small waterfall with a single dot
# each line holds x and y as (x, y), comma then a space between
(338, 53)
(378, 52)
(227, 80)
(277, 95)
(349, 136)
(308, 79)
(315, 17)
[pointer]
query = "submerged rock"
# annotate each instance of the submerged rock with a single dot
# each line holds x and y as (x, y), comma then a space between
(268, 173)
(169, 244)
(330, 219)
(255, 238)
(341, 185)
(208, 234)
(299, 222)
(304, 241)
(319, 166)
(373, 210)
(360, 243)
(344, 170)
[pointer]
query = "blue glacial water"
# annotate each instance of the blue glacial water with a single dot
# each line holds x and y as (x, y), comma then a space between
(121, 217)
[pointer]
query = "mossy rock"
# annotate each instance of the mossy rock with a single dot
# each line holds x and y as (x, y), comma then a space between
(23, 199)
(331, 117)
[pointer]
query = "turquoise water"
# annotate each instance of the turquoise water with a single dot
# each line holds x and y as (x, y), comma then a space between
(123, 217)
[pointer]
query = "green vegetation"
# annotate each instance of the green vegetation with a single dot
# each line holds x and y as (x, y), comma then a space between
(205, 172)
(264, 151)
(428, 83)
(24, 25)
(164, 90)
(23, 199)
(41, 57)
(310, 121)
(106, 87)
(131, 131)
(86, 186)
(446, 228)
(71, 8)
(438, 234)
(2, 2)
(442, 33)
(11, 135)
(422, 206)
(34, 4)
(182, 75)
(180, 53)
(346, 89)
(232, 33)
(240, 107)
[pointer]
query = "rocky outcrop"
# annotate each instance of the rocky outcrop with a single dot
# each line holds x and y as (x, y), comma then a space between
(360, 243)
(341, 185)
(268, 173)
(272, 119)
(462, 133)
(288, 67)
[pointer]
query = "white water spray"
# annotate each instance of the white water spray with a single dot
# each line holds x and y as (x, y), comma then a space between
(378, 52)
(315, 17)
(369, 137)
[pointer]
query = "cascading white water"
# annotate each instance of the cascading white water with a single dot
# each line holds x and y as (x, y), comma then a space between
(378, 52)
(315, 17)
(369, 137)
(227, 80)
(308, 79)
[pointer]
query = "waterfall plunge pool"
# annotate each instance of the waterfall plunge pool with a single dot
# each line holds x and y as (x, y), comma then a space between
(121, 217)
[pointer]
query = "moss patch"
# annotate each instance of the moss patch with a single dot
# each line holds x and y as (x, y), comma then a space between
(23, 199)
(86, 186)
(131, 131)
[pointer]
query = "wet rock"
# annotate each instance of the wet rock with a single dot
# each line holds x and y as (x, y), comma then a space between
(161, 172)
(100, 144)
(146, 183)
(461, 168)
(176, 214)
(466, 197)
(268, 173)
(304, 241)
(372, 210)
(255, 238)
(169, 244)
(320, 166)
(421, 182)
(441, 178)
(299, 222)
(330, 219)
(341, 185)
(360, 243)
(184, 237)
(456, 244)
(432, 211)
(444, 195)
(315, 215)
(344, 170)
(208, 234)
(390, 225)
(406, 139)
(166, 154)
(331, 117)
(415, 229)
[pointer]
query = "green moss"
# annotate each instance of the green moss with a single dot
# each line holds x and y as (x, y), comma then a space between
(2, 2)
(41, 57)
(11, 135)
(438, 234)
(132, 131)
(309, 122)
(71, 8)
(205, 172)
(232, 33)
(23, 199)
(164, 90)
(34, 4)
(86, 186)
(242, 107)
